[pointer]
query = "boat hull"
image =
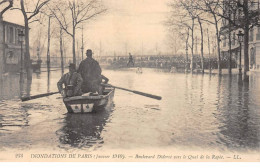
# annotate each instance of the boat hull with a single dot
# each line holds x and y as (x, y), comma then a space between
(87, 104)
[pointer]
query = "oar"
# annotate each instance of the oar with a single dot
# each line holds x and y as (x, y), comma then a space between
(134, 91)
(38, 96)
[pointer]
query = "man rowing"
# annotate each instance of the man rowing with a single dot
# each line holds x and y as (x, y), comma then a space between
(72, 81)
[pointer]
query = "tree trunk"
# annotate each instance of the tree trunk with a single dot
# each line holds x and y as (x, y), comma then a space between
(246, 46)
(82, 46)
(246, 39)
(218, 43)
(201, 48)
(209, 62)
(27, 58)
(48, 47)
(187, 49)
(74, 46)
(230, 53)
(61, 53)
(192, 44)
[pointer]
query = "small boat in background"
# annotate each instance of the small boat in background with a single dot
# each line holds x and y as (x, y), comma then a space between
(89, 102)
(139, 70)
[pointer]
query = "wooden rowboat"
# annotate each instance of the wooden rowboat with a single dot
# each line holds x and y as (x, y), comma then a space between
(89, 102)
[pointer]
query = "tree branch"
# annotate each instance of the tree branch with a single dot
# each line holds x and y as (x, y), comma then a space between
(38, 8)
(63, 26)
(91, 16)
(6, 8)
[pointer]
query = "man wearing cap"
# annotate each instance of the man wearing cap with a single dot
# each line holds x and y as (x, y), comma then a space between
(90, 71)
(72, 81)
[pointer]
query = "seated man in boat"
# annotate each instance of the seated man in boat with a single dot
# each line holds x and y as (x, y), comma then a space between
(105, 81)
(90, 71)
(72, 81)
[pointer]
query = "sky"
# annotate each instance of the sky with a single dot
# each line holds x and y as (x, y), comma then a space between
(134, 26)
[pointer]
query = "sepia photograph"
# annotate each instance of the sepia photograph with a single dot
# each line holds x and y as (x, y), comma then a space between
(130, 81)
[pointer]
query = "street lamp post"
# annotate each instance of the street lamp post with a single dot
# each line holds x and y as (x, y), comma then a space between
(82, 52)
(21, 39)
(240, 36)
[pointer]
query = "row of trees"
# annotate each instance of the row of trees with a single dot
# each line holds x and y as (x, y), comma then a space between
(69, 16)
(193, 16)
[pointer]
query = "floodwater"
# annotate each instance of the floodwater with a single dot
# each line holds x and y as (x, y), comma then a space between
(196, 111)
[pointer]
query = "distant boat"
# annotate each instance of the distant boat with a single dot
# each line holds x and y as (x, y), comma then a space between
(89, 102)
(139, 70)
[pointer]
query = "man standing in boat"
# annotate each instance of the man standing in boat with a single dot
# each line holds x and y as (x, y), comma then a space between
(90, 71)
(72, 81)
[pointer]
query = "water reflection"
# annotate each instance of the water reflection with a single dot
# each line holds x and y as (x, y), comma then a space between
(9, 87)
(28, 87)
(237, 126)
(206, 111)
(21, 82)
(83, 130)
(48, 81)
(12, 115)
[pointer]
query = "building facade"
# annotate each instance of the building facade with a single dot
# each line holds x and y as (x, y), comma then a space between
(10, 47)
(254, 41)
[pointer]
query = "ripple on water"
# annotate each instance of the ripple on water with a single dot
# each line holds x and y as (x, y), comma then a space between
(205, 111)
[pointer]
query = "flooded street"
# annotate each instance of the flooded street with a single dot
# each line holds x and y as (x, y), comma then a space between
(208, 112)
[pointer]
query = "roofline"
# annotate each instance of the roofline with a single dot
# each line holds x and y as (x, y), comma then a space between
(5, 22)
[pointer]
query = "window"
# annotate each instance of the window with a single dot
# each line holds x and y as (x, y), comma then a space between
(234, 38)
(251, 35)
(224, 42)
(16, 35)
(258, 33)
(11, 34)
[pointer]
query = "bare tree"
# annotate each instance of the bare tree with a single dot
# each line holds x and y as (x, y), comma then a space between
(30, 10)
(79, 12)
(179, 29)
(188, 6)
(213, 8)
(202, 43)
(172, 41)
(187, 13)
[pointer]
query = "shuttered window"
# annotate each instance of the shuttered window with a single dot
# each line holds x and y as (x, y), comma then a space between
(11, 35)
(258, 33)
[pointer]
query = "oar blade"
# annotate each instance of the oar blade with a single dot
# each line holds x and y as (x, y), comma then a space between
(25, 98)
(37, 96)
(134, 91)
(148, 95)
